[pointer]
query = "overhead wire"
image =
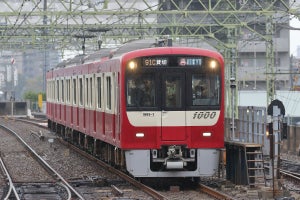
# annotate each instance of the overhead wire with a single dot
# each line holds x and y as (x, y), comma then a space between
(17, 25)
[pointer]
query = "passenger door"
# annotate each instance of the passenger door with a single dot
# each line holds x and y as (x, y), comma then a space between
(173, 115)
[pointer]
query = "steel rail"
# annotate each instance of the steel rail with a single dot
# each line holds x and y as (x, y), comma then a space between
(293, 175)
(45, 164)
(131, 180)
(39, 123)
(67, 189)
(214, 193)
(11, 184)
(146, 189)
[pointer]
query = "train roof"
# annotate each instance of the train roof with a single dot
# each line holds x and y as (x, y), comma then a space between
(127, 47)
(151, 43)
(83, 58)
(135, 45)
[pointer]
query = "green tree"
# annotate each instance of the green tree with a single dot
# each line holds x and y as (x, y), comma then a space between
(33, 96)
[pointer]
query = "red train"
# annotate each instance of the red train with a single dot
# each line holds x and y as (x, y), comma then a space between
(155, 111)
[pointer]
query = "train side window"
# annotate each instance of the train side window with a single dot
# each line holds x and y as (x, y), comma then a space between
(99, 92)
(108, 92)
(87, 91)
(62, 91)
(80, 85)
(57, 90)
(74, 91)
(52, 90)
(68, 90)
(91, 92)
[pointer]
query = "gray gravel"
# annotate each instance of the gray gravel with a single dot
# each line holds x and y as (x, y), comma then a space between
(68, 163)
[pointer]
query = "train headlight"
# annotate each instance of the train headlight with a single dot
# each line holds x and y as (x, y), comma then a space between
(132, 65)
(213, 64)
(139, 135)
(206, 134)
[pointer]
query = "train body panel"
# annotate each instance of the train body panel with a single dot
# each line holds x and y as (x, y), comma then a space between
(207, 162)
(100, 134)
(145, 107)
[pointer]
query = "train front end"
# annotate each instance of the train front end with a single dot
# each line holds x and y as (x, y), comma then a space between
(173, 119)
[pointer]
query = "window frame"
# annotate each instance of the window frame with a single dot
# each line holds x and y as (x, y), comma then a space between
(68, 90)
(109, 92)
(74, 92)
(81, 93)
(88, 91)
(97, 105)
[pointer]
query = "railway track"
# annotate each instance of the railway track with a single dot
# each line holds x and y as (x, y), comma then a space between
(146, 189)
(291, 175)
(37, 122)
(7, 183)
(214, 194)
(112, 189)
(290, 171)
(16, 181)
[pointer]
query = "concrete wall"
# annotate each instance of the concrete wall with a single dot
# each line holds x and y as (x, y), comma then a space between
(292, 144)
(13, 108)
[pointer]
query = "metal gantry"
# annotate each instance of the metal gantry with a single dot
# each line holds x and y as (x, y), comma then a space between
(41, 22)
(91, 24)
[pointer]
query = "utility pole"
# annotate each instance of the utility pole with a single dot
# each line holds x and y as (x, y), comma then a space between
(46, 52)
(270, 76)
(231, 78)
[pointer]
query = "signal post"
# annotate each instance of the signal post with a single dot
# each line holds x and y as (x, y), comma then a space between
(276, 111)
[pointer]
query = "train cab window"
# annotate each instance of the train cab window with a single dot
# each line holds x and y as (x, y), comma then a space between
(99, 92)
(141, 91)
(205, 89)
(80, 91)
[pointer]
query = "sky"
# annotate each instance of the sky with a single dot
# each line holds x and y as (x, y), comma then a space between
(294, 36)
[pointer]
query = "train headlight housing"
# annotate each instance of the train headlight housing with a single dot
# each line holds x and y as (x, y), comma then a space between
(213, 64)
(206, 134)
(132, 65)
